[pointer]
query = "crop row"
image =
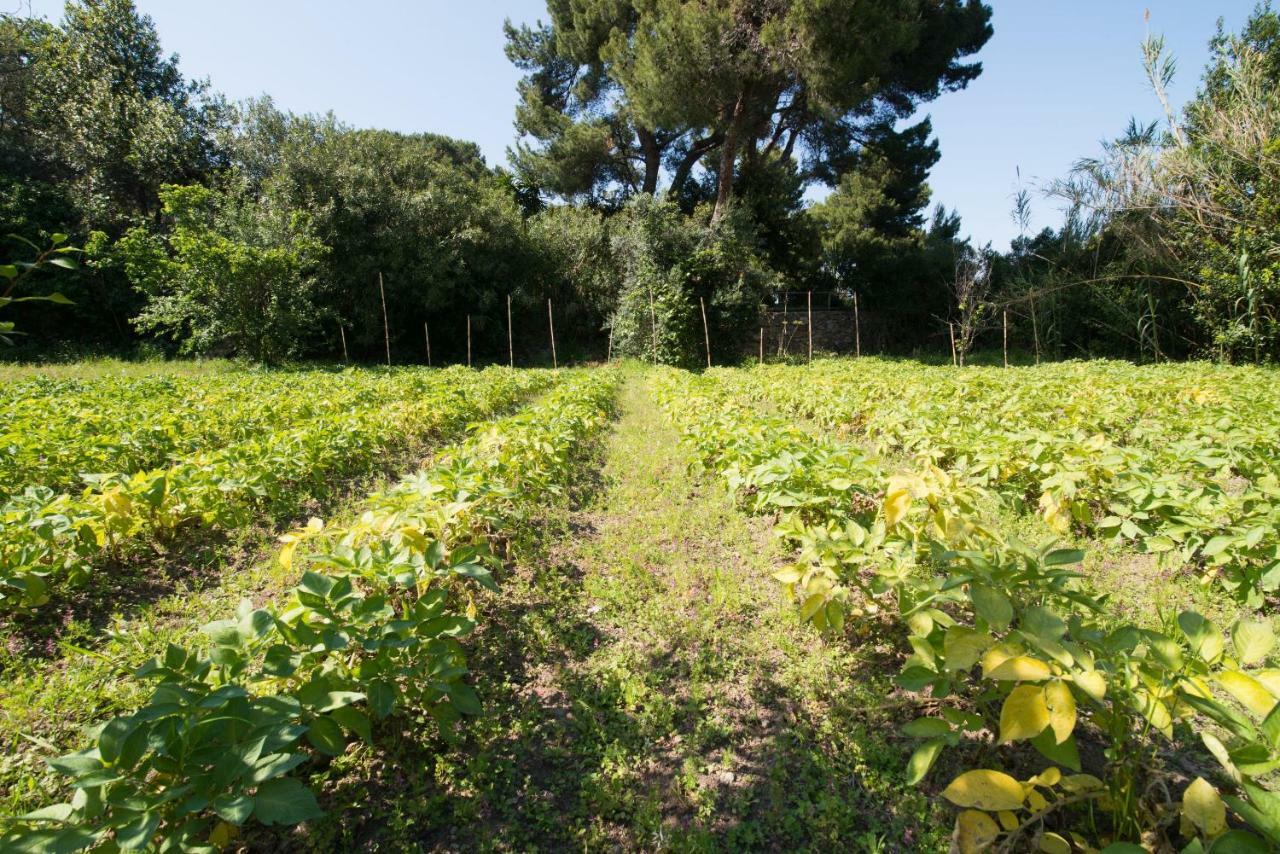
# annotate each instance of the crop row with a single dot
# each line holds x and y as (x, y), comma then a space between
(372, 630)
(1009, 645)
(1181, 460)
(50, 539)
(52, 432)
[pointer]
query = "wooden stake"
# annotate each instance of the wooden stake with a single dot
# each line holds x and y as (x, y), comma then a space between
(551, 323)
(343, 333)
(857, 327)
(609, 355)
(386, 330)
(951, 328)
(653, 324)
(511, 350)
(810, 326)
(468, 340)
(1035, 326)
(426, 330)
(706, 333)
(1006, 338)
(762, 342)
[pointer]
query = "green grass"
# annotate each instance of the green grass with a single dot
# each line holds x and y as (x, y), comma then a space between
(644, 688)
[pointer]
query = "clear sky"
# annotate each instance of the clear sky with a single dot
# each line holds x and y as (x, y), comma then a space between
(1059, 76)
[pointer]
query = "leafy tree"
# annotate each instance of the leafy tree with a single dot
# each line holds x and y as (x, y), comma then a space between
(668, 263)
(232, 277)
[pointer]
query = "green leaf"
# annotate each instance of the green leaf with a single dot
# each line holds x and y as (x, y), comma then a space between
(325, 735)
(926, 728)
(234, 809)
(922, 760)
(1066, 754)
(992, 606)
(1238, 842)
(137, 834)
(1063, 557)
(354, 721)
(284, 801)
(464, 699)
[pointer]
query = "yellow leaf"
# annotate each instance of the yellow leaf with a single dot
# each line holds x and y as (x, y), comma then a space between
(1204, 808)
(975, 832)
(286, 554)
(1155, 711)
(1020, 668)
(1248, 691)
(1270, 679)
(1036, 801)
(1055, 513)
(964, 646)
(1092, 683)
(1048, 777)
(1008, 820)
(1253, 639)
(1062, 709)
(896, 505)
(986, 790)
(1052, 843)
(1080, 783)
(1024, 714)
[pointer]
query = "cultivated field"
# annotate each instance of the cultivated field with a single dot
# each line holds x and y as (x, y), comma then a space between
(859, 604)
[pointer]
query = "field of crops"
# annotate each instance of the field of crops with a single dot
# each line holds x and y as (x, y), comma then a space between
(1057, 584)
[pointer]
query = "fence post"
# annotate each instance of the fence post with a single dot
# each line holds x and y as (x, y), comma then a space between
(1035, 326)
(386, 330)
(1006, 337)
(857, 327)
(426, 331)
(609, 355)
(706, 332)
(511, 350)
(468, 340)
(762, 341)
(343, 334)
(810, 296)
(551, 323)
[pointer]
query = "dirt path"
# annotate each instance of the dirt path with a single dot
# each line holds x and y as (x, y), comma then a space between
(646, 688)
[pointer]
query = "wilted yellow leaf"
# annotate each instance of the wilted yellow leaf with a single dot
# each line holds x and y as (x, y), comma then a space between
(1202, 806)
(1253, 639)
(1062, 709)
(1092, 683)
(986, 790)
(1052, 843)
(1248, 691)
(975, 831)
(1024, 714)
(1020, 668)
(896, 504)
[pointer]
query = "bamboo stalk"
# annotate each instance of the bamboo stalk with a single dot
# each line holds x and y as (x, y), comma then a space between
(386, 329)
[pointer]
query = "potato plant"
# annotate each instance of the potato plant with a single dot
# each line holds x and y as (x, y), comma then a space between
(50, 539)
(1008, 640)
(375, 626)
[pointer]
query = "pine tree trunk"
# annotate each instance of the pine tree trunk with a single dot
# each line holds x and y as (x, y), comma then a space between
(729, 154)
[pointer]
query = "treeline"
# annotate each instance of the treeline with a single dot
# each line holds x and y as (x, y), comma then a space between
(663, 155)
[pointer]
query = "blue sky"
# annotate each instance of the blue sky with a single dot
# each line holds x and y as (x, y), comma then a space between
(1060, 75)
